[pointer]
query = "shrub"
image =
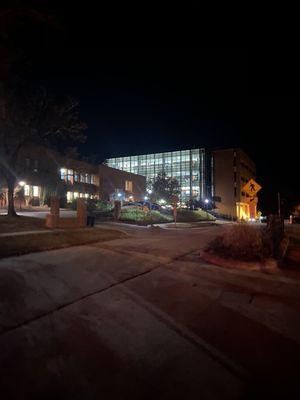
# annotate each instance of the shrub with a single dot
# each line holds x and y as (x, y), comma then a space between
(138, 215)
(243, 242)
(185, 215)
(102, 205)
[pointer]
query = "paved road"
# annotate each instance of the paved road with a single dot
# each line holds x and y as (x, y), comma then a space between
(143, 318)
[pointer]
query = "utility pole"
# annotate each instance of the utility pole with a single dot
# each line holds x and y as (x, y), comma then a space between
(279, 207)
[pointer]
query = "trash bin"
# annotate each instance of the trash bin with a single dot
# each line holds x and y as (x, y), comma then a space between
(90, 221)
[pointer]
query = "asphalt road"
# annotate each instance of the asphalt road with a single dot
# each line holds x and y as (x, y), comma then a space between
(144, 318)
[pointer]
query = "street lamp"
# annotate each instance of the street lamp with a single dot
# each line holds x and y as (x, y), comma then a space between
(22, 184)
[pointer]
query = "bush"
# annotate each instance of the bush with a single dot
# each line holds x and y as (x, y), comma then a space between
(104, 206)
(243, 242)
(185, 215)
(138, 215)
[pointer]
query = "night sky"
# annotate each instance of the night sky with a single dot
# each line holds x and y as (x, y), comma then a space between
(135, 103)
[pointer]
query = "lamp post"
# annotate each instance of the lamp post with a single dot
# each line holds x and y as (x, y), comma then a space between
(150, 206)
(22, 184)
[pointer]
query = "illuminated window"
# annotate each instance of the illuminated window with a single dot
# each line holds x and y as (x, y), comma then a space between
(75, 195)
(69, 197)
(128, 186)
(70, 176)
(26, 190)
(35, 191)
(63, 174)
(94, 180)
(87, 178)
(76, 176)
(86, 195)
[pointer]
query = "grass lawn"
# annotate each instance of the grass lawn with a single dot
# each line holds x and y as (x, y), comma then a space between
(22, 244)
(20, 224)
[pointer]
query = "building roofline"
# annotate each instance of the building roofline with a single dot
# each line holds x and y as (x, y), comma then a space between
(159, 152)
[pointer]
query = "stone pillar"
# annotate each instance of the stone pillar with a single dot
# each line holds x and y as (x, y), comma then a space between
(52, 219)
(81, 212)
(117, 210)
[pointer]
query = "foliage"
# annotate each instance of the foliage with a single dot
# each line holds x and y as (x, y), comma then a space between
(138, 215)
(164, 188)
(197, 203)
(103, 206)
(243, 242)
(33, 117)
(185, 215)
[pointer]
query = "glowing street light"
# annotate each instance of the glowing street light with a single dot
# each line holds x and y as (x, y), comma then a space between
(206, 201)
(22, 183)
(146, 197)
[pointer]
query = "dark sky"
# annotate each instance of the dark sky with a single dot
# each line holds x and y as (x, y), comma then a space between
(144, 102)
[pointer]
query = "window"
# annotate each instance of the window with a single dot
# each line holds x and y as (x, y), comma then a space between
(69, 197)
(27, 162)
(70, 176)
(76, 176)
(26, 190)
(128, 186)
(217, 199)
(63, 174)
(35, 191)
(95, 180)
(87, 178)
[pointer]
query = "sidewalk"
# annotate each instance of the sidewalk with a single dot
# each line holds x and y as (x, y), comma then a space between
(8, 234)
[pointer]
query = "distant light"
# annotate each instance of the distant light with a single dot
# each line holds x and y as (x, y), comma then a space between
(119, 194)
(146, 197)
(22, 183)
(206, 201)
(149, 191)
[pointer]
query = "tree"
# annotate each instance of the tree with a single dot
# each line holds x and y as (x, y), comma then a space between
(164, 188)
(33, 117)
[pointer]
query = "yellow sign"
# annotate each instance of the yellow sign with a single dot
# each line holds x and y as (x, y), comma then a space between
(251, 188)
(251, 200)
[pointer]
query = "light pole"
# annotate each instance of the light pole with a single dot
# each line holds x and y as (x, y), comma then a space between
(22, 184)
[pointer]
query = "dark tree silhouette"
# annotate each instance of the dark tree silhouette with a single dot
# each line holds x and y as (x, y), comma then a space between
(33, 117)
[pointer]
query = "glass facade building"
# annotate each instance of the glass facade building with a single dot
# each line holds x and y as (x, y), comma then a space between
(192, 168)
